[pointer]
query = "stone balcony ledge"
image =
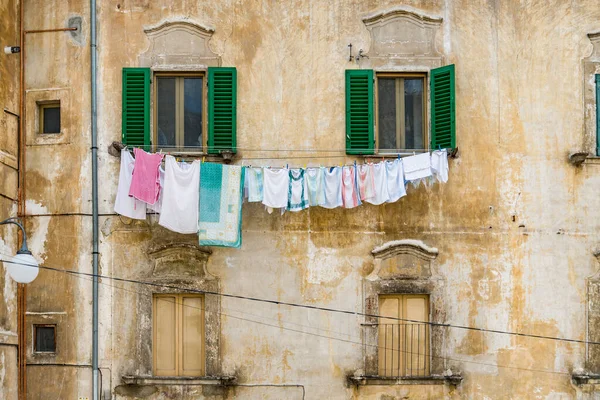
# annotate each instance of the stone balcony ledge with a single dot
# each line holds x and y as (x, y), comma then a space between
(412, 380)
(178, 380)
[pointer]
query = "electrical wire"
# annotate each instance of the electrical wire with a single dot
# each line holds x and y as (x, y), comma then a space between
(298, 305)
(354, 342)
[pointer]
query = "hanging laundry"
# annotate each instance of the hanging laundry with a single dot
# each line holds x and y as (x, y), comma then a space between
(395, 180)
(381, 185)
(126, 205)
(220, 208)
(439, 165)
(315, 183)
(145, 183)
(417, 167)
(333, 187)
(179, 211)
(156, 207)
(275, 187)
(253, 184)
(366, 182)
(298, 191)
(350, 195)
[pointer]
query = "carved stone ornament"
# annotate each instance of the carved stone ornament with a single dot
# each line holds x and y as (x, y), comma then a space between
(179, 45)
(406, 259)
(179, 259)
(400, 32)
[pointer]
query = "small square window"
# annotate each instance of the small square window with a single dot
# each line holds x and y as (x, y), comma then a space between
(50, 118)
(44, 338)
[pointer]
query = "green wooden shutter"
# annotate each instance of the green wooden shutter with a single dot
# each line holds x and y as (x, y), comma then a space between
(222, 113)
(136, 107)
(598, 114)
(443, 108)
(360, 138)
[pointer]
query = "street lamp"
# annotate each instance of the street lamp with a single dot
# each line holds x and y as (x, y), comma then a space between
(23, 268)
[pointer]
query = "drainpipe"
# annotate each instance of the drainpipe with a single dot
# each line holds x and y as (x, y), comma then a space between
(94, 122)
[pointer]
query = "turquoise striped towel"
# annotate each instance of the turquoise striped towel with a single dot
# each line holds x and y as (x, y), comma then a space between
(220, 208)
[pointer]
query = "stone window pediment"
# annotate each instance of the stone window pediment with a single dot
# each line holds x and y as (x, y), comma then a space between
(406, 258)
(179, 45)
(400, 33)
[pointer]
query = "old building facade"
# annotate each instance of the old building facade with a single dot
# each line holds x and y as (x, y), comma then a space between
(508, 244)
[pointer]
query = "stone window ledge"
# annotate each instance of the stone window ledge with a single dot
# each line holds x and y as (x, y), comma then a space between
(413, 380)
(592, 160)
(586, 379)
(178, 380)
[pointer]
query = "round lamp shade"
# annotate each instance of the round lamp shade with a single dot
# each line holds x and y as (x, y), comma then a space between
(23, 268)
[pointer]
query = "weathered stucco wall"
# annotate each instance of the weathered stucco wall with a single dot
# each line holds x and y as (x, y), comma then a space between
(9, 126)
(516, 225)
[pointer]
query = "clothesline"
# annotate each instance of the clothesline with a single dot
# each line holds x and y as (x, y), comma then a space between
(261, 149)
(206, 197)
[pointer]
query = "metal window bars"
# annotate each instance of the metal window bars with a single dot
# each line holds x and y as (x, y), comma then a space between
(403, 350)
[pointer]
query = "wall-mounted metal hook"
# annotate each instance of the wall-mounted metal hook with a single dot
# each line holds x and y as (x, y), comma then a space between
(351, 57)
(361, 55)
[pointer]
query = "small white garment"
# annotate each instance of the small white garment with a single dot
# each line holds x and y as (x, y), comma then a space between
(417, 167)
(253, 184)
(350, 195)
(381, 184)
(395, 180)
(276, 183)
(181, 192)
(439, 165)
(333, 188)
(366, 183)
(298, 191)
(314, 178)
(156, 207)
(125, 205)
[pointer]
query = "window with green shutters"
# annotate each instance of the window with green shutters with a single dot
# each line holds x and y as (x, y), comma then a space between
(136, 106)
(359, 112)
(443, 113)
(387, 112)
(186, 106)
(222, 114)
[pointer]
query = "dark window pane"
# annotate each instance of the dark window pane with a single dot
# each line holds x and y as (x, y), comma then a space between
(166, 111)
(192, 123)
(51, 119)
(44, 339)
(386, 100)
(413, 113)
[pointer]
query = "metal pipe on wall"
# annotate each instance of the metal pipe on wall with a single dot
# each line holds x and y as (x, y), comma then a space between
(94, 131)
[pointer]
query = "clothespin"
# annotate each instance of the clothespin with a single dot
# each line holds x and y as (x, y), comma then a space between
(203, 158)
(439, 147)
(286, 166)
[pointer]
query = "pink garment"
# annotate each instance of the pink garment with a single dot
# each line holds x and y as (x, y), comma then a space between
(349, 192)
(145, 184)
(366, 181)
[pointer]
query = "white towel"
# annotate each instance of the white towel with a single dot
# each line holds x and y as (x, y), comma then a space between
(417, 167)
(314, 178)
(156, 207)
(179, 210)
(395, 180)
(124, 204)
(333, 187)
(439, 165)
(253, 185)
(381, 185)
(276, 183)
